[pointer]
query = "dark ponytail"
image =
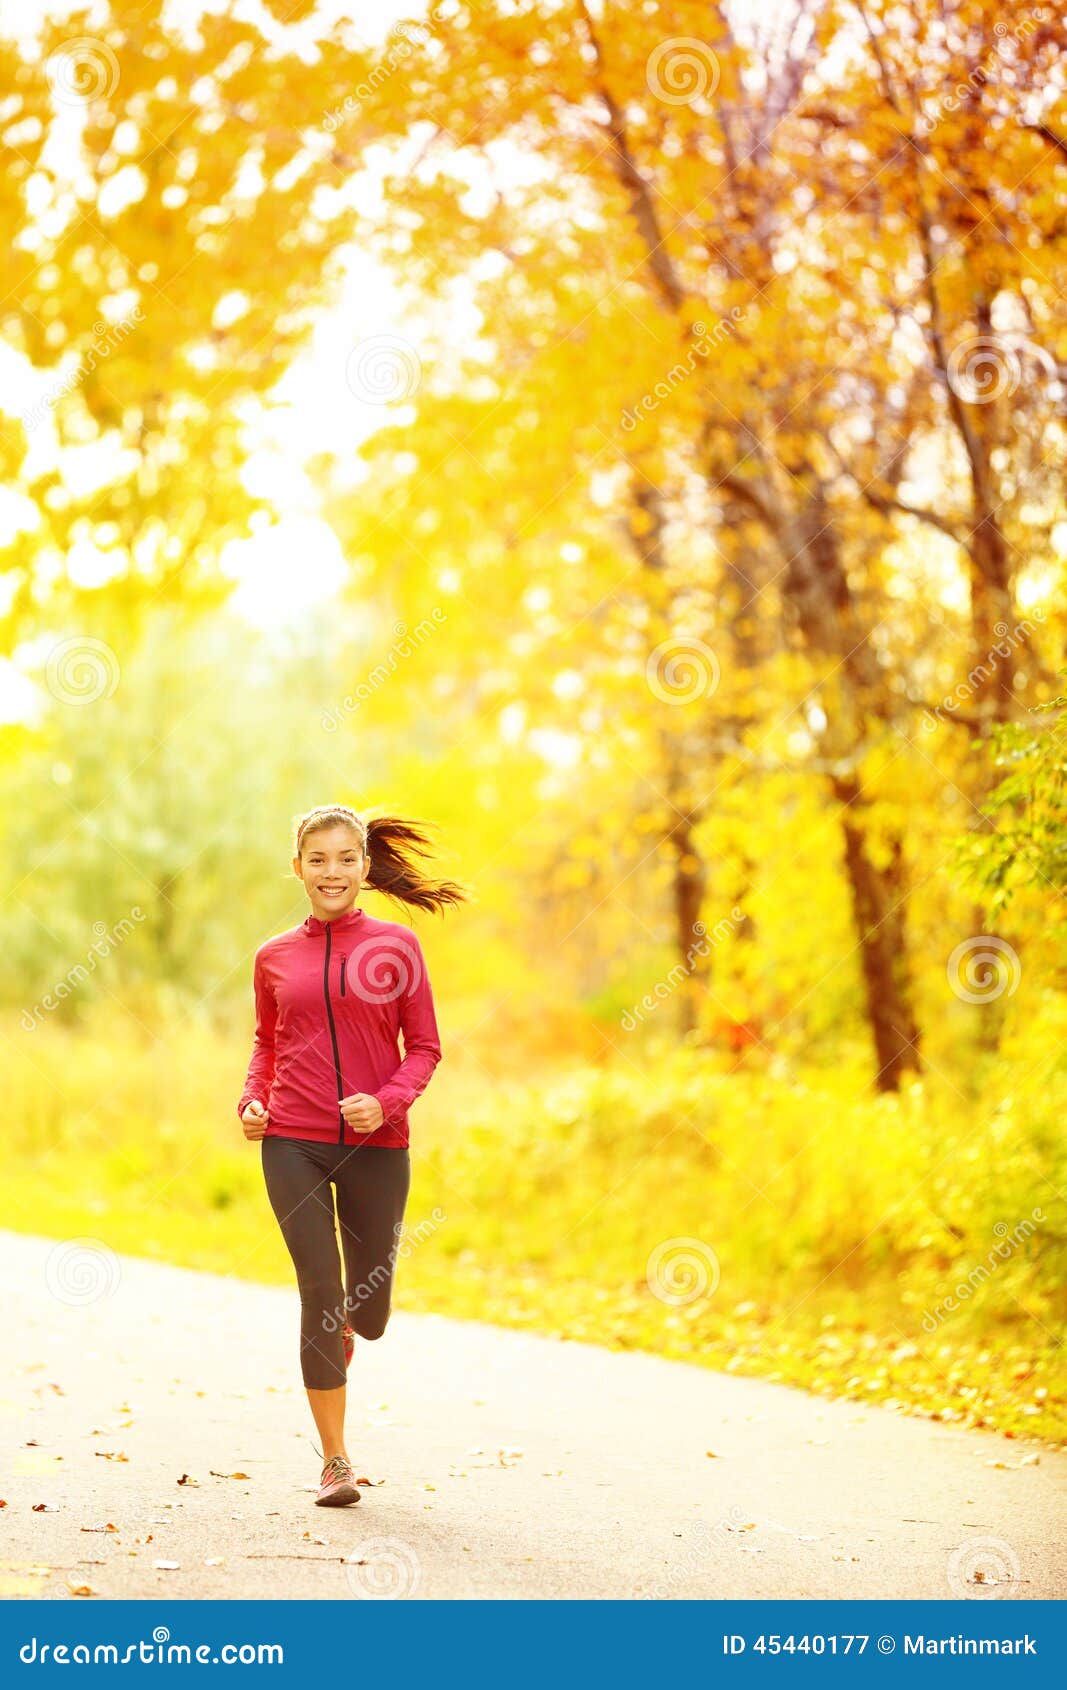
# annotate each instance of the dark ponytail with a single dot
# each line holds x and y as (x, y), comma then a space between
(390, 869)
(389, 843)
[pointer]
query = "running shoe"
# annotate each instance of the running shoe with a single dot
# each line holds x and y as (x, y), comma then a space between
(338, 1483)
(350, 1343)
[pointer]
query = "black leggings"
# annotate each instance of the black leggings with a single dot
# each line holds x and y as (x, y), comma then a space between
(372, 1187)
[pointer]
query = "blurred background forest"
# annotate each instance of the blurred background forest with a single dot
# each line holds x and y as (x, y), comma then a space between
(631, 439)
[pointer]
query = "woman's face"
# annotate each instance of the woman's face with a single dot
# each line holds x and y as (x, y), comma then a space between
(330, 864)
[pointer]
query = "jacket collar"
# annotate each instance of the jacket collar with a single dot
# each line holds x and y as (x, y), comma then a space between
(347, 923)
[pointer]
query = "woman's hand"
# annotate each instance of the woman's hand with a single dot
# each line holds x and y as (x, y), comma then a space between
(362, 1112)
(254, 1119)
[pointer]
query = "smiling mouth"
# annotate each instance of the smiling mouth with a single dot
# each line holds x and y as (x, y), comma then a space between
(333, 891)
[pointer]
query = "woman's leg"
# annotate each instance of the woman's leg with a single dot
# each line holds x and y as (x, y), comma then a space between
(297, 1177)
(372, 1190)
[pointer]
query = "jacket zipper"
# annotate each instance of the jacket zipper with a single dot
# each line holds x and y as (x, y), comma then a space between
(344, 960)
(333, 1037)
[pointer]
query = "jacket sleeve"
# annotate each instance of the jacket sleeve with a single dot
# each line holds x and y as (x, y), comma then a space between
(261, 1068)
(422, 1043)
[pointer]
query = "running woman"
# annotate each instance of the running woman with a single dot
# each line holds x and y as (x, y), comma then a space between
(328, 1096)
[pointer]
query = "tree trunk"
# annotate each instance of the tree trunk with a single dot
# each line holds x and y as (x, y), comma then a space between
(879, 909)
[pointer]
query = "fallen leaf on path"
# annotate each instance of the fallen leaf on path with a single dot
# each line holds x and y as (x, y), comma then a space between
(112, 1455)
(108, 1528)
(215, 1475)
(80, 1589)
(187, 1479)
(45, 1508)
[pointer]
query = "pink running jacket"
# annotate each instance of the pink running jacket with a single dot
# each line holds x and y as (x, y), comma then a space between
(330, 998)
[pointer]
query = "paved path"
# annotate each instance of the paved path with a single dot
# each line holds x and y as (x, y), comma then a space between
(502, 1464)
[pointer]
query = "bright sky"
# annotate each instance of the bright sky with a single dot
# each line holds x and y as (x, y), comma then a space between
(317, 409)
